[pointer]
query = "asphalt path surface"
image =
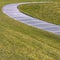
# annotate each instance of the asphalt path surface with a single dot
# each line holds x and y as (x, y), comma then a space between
(12, 11)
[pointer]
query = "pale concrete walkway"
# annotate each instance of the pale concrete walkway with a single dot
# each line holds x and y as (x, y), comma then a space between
(12, 11)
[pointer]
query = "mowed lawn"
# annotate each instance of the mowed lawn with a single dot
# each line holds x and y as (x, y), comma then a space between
(49, 12)
(21, 42)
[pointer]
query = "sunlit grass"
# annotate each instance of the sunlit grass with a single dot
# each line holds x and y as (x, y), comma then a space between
(21, 42)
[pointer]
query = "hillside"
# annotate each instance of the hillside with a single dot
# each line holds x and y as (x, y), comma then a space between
(21, 42)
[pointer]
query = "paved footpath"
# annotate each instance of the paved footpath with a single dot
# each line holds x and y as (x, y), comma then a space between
(12, 11)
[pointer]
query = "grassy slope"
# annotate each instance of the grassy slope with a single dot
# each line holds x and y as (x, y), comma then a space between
(21, 42)
(49, 12)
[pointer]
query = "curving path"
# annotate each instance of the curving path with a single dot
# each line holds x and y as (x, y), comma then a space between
(12, 11)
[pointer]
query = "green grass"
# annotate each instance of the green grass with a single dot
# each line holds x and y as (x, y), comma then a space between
(21, 42)
(49, 12)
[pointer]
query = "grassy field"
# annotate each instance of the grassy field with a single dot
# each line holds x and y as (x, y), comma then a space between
(49, 12)
(21, 42)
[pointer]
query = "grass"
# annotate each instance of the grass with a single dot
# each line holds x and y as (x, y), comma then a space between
(49, 12)
(21, 42)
